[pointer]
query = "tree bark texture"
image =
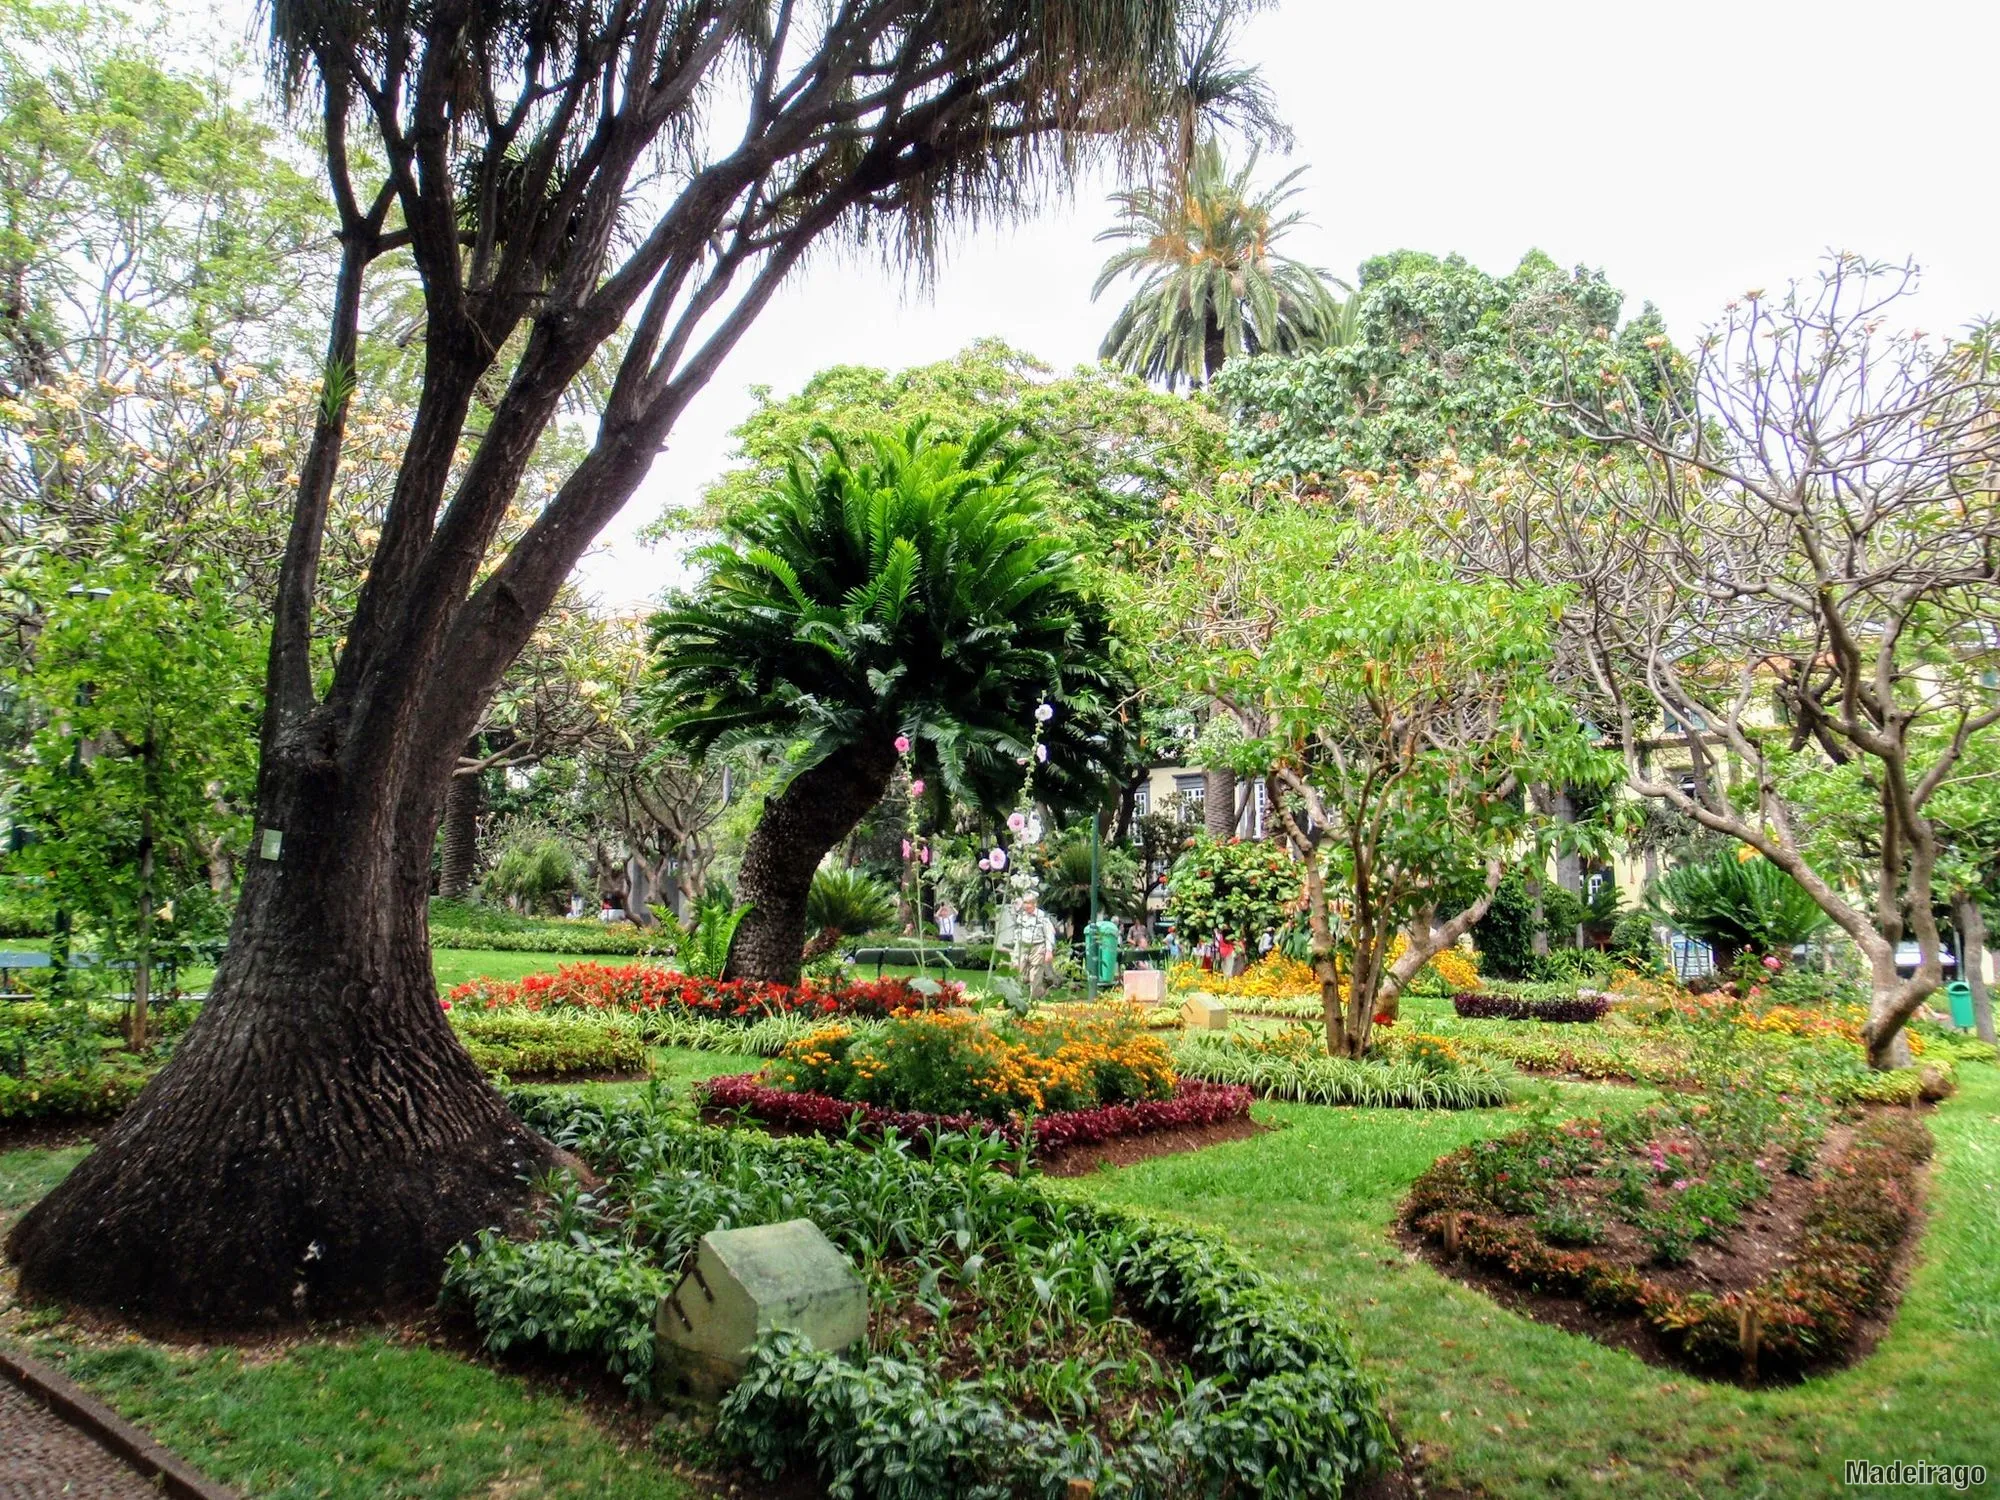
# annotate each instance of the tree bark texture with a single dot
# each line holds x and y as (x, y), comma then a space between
(1218, 803)
(461, 836)
(818, 809)
(1972, 939)
(320, 1140)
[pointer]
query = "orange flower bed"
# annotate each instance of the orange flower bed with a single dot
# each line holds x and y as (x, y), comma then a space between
(952, 1062)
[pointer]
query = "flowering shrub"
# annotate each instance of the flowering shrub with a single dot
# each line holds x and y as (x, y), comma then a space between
(1567, 1009)
(645, 988)
(1277, 976)
(951, 1062)
(1190, 1104)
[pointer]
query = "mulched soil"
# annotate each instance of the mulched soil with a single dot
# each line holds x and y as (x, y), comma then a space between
(34, 1135)
(1761, 1245)
(1124, 1150)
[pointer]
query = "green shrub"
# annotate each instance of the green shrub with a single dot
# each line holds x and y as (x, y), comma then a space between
(1736, 906)
(93, 1093)
(550, 1045)
(585, 938)
(846, 901)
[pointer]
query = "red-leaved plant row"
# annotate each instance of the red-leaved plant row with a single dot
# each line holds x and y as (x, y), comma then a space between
(641, 988)
(1194, 1103)
(1495, 1007)
(1860, 1212)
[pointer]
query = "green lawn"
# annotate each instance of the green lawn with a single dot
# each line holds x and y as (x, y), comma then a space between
(1505, 1406)
(373, 1418)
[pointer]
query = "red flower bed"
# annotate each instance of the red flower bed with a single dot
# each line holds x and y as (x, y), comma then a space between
(645, 987)
(1193, 1103)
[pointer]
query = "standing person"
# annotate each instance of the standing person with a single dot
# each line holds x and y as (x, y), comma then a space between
(1035, 941)
(947, 921)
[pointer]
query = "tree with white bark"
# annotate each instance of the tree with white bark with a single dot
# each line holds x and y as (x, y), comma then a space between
(1785, 553)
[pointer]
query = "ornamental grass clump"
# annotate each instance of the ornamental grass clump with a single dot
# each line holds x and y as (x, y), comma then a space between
(1414, 1072)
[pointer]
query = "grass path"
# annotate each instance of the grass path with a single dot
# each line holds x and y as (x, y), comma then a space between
(1503, 1406)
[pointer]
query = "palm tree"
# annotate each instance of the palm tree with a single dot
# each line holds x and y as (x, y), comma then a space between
(904, 588)
(1212, 285)
(1210, 89)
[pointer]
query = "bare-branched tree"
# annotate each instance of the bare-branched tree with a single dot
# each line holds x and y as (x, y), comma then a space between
(562, 178)
(1793, 568)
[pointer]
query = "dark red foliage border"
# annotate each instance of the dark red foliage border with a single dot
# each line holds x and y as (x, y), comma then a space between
(1862, 1209)
(1498, 1007)
(1194, 1104)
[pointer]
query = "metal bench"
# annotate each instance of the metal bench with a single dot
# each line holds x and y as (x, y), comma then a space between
(943, 957)
(12, 963)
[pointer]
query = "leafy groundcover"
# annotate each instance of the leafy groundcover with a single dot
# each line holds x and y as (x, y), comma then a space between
(1020, 1337)
(1193, 1104)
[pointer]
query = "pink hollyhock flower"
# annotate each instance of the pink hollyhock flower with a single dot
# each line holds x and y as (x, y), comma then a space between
(902, 744)
(997, 859)
(1017, 821)
(907, 850)
(985, 863)
(1773, 962)
(916, 789)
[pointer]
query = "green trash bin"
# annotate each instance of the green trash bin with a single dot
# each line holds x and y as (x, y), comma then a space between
(1100, 951)
(1961, 1004)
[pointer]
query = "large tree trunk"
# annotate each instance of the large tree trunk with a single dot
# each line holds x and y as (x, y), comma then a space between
(320, 1140)
(819, 808)
(1218, 803)
(461, 835)
(1972, 961)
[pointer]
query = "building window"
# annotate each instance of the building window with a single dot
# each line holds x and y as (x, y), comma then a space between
(1142, 802)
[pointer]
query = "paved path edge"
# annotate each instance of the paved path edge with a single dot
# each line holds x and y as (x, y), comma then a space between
(111, 1431)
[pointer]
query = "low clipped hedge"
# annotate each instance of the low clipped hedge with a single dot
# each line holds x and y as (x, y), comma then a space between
(578, 938)
(1862, 1208)
(93, 1094)
(550, 1046)
(1272, 1401)
(1194, 1104)
(1316, 1078)
(1556, 1009)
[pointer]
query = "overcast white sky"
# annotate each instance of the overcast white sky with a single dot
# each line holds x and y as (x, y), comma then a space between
(1692, 151)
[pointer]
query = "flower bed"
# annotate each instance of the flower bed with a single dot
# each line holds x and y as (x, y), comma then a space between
(1020, 1338)
(1568, 1009)
(646, 989)
(1192, 1104)
(1418, 1072)
(1520, 1207)
(1277, 978)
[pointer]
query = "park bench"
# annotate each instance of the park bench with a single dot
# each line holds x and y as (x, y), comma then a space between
(13, 964)
(943, 956)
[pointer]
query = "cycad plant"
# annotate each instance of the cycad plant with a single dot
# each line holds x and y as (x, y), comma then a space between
(1736, 906)
(1212, 285)
(899, 591)
(842, 902)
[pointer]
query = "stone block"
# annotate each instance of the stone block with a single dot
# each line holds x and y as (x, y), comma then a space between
(1147, 986)
(744, 1282)
(1204, 1013)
